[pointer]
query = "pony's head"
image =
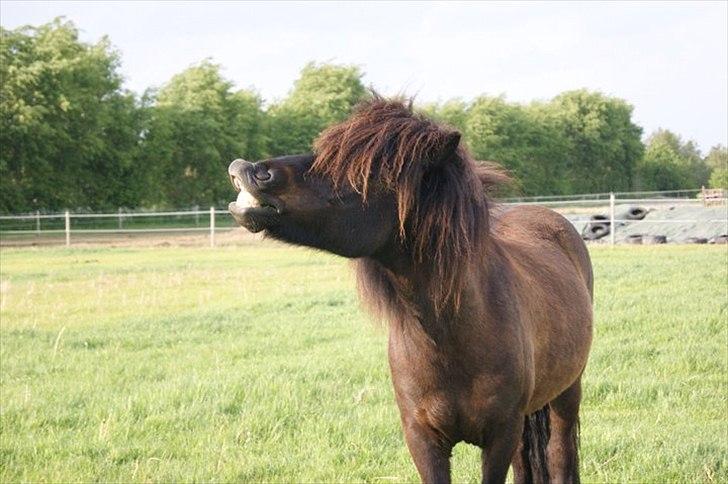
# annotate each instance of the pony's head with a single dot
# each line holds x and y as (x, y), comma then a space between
(386, 183)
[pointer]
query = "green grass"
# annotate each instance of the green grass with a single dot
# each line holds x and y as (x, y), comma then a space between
(256, 364)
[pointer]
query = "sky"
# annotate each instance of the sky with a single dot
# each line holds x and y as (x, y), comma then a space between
(669, 60)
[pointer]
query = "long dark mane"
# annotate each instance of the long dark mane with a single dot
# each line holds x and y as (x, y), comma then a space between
(440, 190)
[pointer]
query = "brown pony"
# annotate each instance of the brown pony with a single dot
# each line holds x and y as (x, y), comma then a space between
(490, 315)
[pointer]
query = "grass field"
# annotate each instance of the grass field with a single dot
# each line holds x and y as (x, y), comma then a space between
(255, 363)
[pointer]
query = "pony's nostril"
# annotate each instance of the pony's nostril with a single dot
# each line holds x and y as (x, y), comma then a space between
(261, 174)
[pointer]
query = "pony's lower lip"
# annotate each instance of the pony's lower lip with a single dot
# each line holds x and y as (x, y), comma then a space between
(253, 219)
(235, 208)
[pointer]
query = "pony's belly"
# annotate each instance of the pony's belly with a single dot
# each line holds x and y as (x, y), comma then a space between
(553, 378)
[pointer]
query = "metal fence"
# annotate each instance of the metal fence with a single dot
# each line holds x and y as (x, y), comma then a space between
(688, 209)
(68, 225)
(674, 218)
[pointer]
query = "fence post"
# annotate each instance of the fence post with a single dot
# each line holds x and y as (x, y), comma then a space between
(68, 229)
(37, 221)
(612, 224)
(212, 226)
(119, 218)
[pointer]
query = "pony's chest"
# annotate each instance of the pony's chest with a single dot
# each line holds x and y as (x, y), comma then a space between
(446, 391)
(450, 405)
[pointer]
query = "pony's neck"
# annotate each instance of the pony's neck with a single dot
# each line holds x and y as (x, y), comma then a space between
(398, 288)
(427, 278)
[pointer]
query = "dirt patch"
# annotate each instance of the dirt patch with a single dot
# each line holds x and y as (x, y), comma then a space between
(223, 237)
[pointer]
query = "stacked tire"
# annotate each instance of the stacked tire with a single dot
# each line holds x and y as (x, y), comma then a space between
(598, 227)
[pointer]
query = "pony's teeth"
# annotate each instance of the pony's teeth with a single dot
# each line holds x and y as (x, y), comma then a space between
(246, 200)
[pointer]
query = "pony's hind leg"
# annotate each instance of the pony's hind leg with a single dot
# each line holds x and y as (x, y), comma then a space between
(519, 464)
(563, 447)
(529, 461)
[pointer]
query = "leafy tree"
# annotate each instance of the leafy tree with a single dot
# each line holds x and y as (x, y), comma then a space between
(196, 126)
(604, 143)
(322, 95)
(70, 136)
(453, 113)
(661, 168)
(699, 170)
(717, 162)
(578, 142)
(671, 164)
(687, 157)
(719, 178)
(523, 139)
(68, 132)
(717, 157)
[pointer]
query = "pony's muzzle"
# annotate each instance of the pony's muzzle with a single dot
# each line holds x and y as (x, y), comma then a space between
(237, 172)
(255, 174)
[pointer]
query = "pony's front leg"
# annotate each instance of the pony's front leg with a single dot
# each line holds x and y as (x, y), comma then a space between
(430, 453)
(500, 445)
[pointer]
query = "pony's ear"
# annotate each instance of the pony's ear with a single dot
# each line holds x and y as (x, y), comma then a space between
(447, 149)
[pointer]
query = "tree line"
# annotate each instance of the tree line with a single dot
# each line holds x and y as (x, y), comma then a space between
(73, 137)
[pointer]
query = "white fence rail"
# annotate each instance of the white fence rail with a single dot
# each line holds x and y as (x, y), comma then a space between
(179, 221)
(579, 209)
(693, 193)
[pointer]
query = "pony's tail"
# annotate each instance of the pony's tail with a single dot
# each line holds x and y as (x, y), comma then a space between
(536, 433)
